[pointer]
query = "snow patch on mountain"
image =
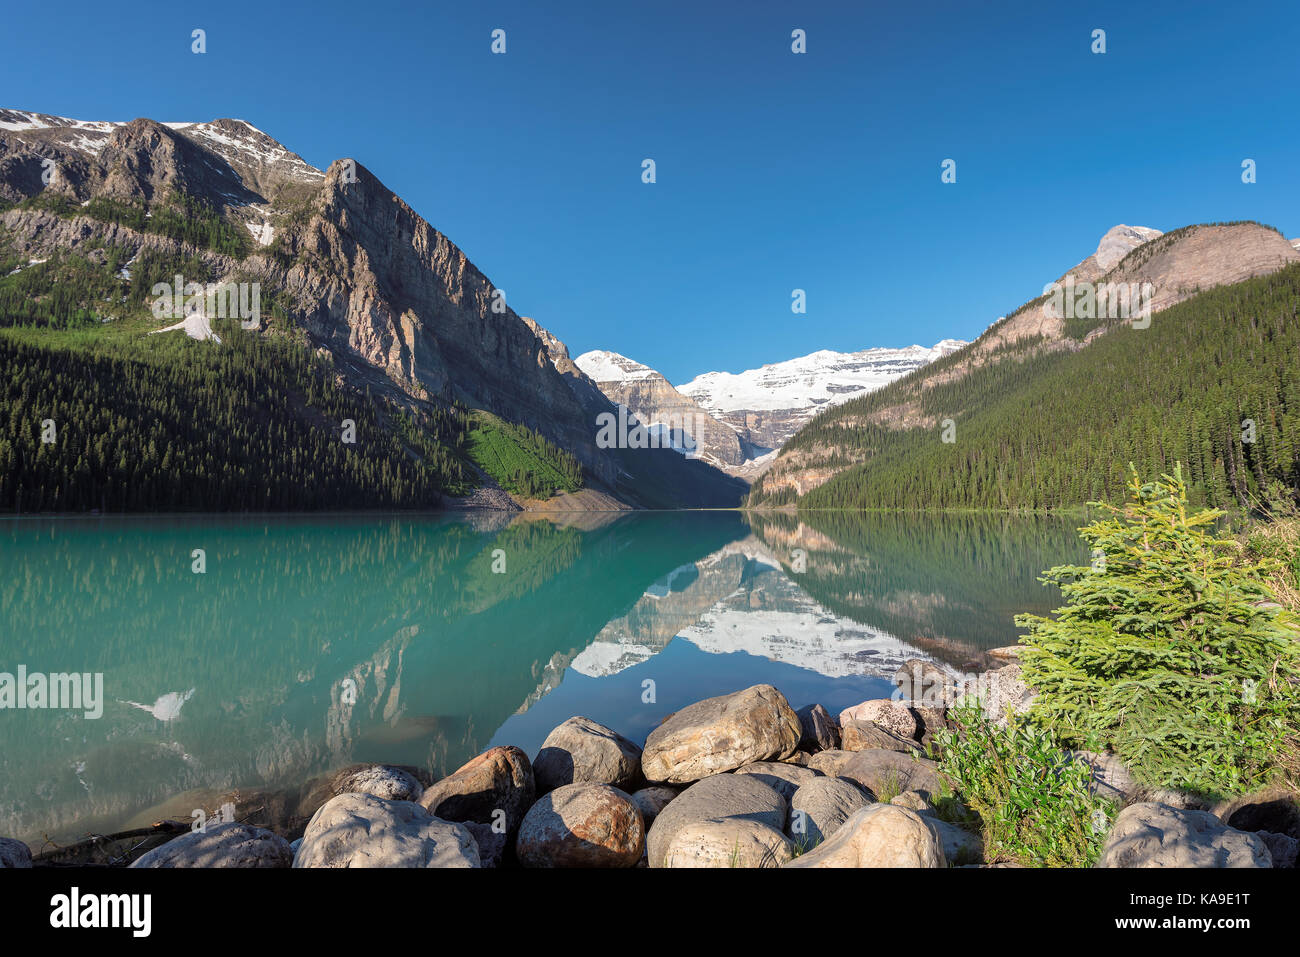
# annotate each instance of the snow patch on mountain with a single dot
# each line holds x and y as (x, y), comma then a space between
(812, 382)
(603, 366)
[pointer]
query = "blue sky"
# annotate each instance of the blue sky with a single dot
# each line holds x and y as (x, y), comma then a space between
(775, 171)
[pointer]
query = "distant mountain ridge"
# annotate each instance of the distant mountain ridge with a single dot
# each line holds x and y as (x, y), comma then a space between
(885, 449)
(740, 419)
(769, 404)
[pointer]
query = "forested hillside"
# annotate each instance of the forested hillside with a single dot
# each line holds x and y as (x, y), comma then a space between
(256, 424)
(1214, 382)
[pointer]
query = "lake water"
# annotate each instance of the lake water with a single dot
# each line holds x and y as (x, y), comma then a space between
(309, 643)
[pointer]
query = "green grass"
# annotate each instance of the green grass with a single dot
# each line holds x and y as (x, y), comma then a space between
(519, 460)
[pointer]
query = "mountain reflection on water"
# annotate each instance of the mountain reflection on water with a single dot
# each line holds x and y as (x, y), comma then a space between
(313, 642)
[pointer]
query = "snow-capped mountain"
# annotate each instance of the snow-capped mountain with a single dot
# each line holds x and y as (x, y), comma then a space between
(674, 420)
(769, 404)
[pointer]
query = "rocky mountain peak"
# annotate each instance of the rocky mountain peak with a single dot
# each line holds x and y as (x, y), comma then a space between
(1119, 241)
(604, 366)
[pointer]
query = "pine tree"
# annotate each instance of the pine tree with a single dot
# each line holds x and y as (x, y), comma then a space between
(1169, 649)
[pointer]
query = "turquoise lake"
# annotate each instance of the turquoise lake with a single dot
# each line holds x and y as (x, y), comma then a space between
(312, 642)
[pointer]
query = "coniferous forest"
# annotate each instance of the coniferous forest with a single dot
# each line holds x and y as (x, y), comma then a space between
(1214, 383)
(257, 424)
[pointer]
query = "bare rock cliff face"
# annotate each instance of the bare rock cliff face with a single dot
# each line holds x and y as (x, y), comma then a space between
(375, 280)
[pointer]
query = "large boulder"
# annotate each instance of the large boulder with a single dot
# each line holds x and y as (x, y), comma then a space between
(728, 842)
(1156, 835)
(720, 796)
(820, 806)
(495, 788)
(385, 781)
(818, 729)
(650, 801)
(582, 825)
(862, 735)
(580, 751)
(879, 835)
(888, 773)
(14, 853)
(360, 830)
(221, 845)
(721, 734)
(885, 713)
(785, 779)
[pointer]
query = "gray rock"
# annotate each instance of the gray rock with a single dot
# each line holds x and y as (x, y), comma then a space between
(960, 846)
(378, 780)
(719, 796)
(14, 853)
(819, 731)
(499, 779)
(820, 806)
(580, 751)
(830, 762)
(863, 735)
(1156, 835)
(923, 683)
(721, 734)
(650, 801)
(582, 825)
(879, 835)
(360, 830)
(1110, 779)
(888, 773)
(1282, 848)
(493, 844)
(884, 713)
(221, 845)
(785, 779)
(728, 842)
(914, 800)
